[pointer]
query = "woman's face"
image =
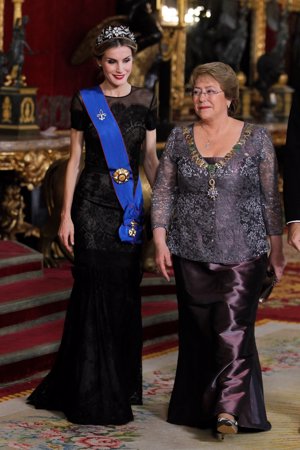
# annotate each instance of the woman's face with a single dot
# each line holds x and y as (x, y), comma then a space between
(117, 65)
(208, 98)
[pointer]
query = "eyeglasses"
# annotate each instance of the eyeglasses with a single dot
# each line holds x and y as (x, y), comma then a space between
(208, 93)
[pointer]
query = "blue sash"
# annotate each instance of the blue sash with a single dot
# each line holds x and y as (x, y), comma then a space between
(118, 164)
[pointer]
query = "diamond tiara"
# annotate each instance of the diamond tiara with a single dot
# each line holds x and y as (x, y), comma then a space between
(110, 32)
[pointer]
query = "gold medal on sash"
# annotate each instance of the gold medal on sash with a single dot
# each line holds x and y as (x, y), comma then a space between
(121, 175)
(132, 230)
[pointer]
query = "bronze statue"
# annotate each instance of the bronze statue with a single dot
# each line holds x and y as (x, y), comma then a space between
(221, 36)
(15, 55)
(231, 51)
(12, 216)
(3, 67)
(271, 65)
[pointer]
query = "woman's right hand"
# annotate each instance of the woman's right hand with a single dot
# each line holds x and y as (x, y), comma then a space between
(66, 233)
(163, 260)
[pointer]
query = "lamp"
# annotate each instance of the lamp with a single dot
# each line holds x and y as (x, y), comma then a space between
(177, 13)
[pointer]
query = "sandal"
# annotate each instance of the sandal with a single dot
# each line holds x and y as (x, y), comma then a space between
(226, 426)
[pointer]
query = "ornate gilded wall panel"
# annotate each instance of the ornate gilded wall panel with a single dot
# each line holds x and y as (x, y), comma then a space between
(31, 159)
(258, 34)
(1, 23)
(175, 39)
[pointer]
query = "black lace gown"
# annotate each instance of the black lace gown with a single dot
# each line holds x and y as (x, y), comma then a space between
(97, 373)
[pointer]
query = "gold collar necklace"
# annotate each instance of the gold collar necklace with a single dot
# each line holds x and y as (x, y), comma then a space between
(213, 168)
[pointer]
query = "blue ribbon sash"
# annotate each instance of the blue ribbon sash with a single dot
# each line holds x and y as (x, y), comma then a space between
(118, 164)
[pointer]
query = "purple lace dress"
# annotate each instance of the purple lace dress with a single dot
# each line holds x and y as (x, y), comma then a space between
(218, 239)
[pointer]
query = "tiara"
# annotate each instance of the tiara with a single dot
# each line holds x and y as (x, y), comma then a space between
(114, 33)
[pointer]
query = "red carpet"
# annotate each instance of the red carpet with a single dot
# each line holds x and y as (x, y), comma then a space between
(32, 314)
(284, 302)
(33, 301)
(18, 262)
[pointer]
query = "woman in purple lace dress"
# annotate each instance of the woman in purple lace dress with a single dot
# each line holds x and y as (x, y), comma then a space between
(216, 217)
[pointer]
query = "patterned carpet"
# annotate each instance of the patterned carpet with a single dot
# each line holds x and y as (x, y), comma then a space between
(278, 338)
(23, 427)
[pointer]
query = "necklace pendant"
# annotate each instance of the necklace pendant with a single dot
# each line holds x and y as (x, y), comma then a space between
(212, 191)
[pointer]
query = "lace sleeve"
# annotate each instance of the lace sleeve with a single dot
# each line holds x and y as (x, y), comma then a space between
(151, 118)
(165, 188)
(268, 170)
(78, 113)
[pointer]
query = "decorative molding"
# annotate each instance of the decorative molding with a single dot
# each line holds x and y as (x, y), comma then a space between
(17, 9)
(32, 158)
(1, 24)
(258, 34)
(292, 5)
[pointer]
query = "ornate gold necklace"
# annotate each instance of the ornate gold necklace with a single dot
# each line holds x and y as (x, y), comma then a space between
(213, 168)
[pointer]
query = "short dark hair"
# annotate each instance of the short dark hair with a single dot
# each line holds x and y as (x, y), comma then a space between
(224, 75)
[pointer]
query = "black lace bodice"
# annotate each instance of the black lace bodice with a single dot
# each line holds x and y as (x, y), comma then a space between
(134, 113)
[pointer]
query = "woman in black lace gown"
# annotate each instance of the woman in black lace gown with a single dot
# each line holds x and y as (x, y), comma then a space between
(97, 373)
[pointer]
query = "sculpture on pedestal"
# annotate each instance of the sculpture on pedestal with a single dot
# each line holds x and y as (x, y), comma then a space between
(219, 36)
(269, 68)
(17, 101)
(3, 67)
(15, 55)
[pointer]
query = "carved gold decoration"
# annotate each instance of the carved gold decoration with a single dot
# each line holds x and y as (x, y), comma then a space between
(31, 165)
(142, 63)
(31, 158)
(168, 43)
(12, 215)
(30, 161)
(181, 12)
(1, 23)
(173, 48)
(11, 77)
(6, 110)
(177, 71)
(17, 9)
(27, 110)
(258, 37)
(18, 111)
(291, 5)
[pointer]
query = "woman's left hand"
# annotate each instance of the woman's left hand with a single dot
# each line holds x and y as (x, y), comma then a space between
(277, 263)
(276, 257)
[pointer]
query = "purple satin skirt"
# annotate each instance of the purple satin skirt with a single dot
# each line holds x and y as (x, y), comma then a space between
(218, 368)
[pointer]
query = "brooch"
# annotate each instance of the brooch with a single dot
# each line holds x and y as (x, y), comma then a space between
(121, 175)
(101, 115)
